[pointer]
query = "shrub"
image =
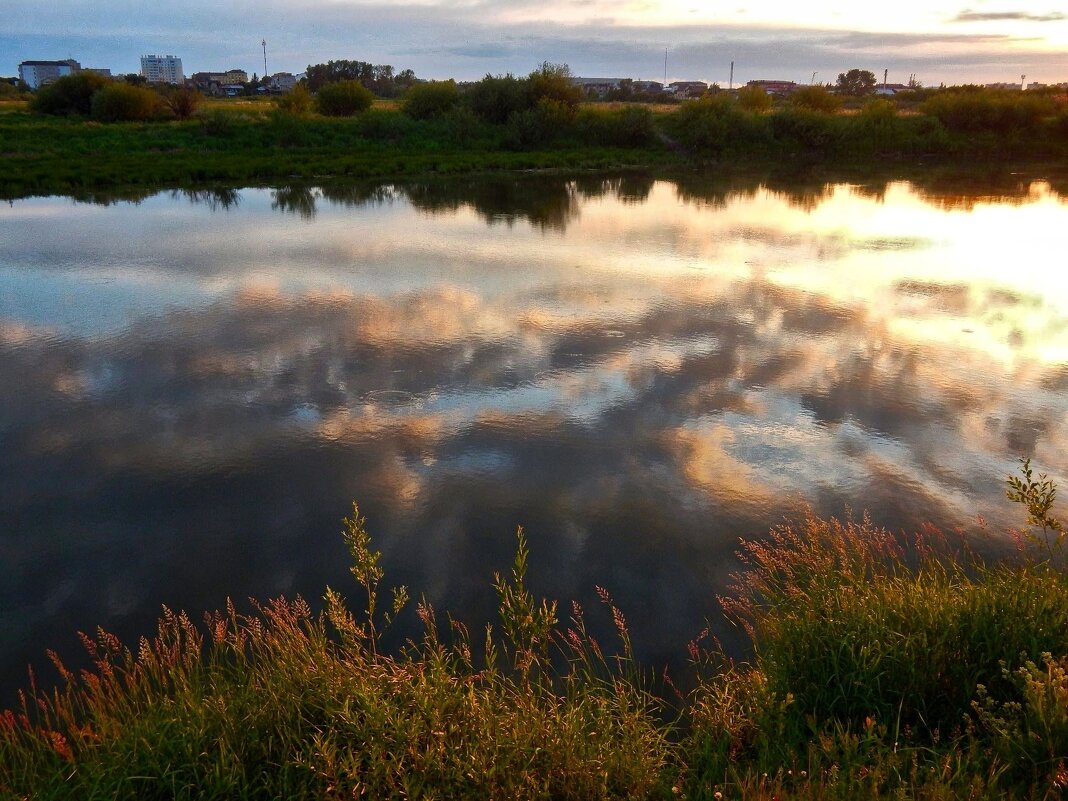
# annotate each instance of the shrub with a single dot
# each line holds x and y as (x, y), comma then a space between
(297, 101)
(815, 98)
(754, 98)
(552, 82)
(344, 99)
(182, 102)
(69, 95)
(538, 126)
(1032, 733)
(875, 126)
(462, 125)
(496, 98)
(385, 126)
(219, 123)
(8, 91)
(426, 101)
(123, 102)
(631, 126)
(990, 111)
(716, 125)
(808, 130)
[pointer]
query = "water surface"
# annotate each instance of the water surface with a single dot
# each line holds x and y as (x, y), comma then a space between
(196, 386)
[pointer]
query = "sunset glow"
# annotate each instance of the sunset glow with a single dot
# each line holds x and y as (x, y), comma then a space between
(951, 42)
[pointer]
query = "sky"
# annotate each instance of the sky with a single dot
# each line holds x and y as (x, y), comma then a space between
(938, 41)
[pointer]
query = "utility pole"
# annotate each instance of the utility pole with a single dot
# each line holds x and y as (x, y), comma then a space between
(731, 86)
(264, 43)
(813, 80)
(885, 73)
(665, 67)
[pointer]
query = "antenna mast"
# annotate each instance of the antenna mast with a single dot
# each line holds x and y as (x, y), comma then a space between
(264, 43)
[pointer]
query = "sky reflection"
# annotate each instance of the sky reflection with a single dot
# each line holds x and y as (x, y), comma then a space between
(637, 371)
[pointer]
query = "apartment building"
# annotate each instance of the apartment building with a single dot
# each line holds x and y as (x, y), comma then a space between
(41, 73)
(162, 69)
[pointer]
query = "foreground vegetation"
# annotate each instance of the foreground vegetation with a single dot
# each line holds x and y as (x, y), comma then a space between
(882, 666)
(85, 133)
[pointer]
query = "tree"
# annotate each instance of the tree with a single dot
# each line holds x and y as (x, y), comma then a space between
(856, 82)
(553, 82)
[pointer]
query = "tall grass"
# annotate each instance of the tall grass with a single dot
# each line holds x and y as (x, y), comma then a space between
(288, 704)
(883, 665)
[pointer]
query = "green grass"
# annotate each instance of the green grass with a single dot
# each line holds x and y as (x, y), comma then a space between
(884, 666)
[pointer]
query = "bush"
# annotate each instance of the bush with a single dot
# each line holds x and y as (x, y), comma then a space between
(425, 101)
(716, 125)
(8, 91)
(297, 101)
(552, 82)
(754, 98)
(344, 99)
(813, 131)
(69, 95)
(182, 102)
(539, 126)
(122, 102)
(1031, 735)
(219, 123)
(990, 111)
(815, 98)
(386, 126)
(631, 126)
(496, 98)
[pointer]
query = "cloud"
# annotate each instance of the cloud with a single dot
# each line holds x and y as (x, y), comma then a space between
(467, 40)
(968, 15)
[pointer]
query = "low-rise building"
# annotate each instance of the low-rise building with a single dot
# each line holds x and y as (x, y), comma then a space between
(41, 73)
(775, 87)
(282, 82)
(686, 89)
(648, 87)
(162, 69)
(597, 86)
(215, 83)
(891, 89)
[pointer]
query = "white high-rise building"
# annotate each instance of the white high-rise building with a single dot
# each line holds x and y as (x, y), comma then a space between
(162, 69)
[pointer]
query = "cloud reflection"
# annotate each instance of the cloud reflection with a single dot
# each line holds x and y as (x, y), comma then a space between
(636, 415)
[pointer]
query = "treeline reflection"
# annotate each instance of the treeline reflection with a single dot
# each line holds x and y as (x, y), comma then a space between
(550, 202)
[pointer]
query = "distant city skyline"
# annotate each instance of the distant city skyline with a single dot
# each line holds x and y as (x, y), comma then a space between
(973, 41)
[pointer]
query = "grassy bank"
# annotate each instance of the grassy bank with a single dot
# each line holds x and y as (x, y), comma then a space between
(883, 666)
(45, 155)
(254, 142)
